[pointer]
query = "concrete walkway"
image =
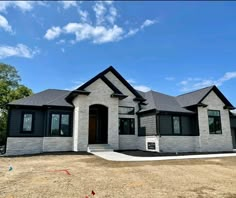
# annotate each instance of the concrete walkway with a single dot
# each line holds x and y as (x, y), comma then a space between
(114, 156)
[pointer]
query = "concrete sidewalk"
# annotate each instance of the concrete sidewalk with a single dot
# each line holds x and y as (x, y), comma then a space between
(115, 156)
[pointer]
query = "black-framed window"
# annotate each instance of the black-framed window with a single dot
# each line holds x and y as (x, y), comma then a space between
(176, 126)
(214, 121)
(123, 110)
(60, 124)
(27, 122)
(126, 126)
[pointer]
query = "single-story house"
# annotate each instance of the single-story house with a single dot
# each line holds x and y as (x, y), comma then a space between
(108, 113)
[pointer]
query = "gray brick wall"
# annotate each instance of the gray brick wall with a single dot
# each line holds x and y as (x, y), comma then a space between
(100, 94)
(179, 143)
(51, 144)
(127, 142)
(24, 145)
(33, 145)
(214, 142)
(149, 122)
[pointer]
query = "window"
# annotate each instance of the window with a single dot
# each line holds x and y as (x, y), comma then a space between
(126, 110)
(126, 126)
(214, 122)
(27, 122)
(60, 124)
(176, 125)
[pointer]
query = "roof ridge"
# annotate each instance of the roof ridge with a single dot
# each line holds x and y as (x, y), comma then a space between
(162, 93)
(57, 89)
(195, 90)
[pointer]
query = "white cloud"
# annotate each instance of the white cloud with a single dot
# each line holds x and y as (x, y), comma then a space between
(22, 5)
(19, 50)
(4, 24)
(134, 31)
(62, 41)
(98, 34)
(131, 81)
(53, 33)
(142, 88)
(105, 12)
(112, 15)
(99, 9)
(169, 78)
(102, 30)
(83, 15)
(76, 85)
(136, 86)
(68, 4)
(147, 23)
(190, 84)
(226, 77)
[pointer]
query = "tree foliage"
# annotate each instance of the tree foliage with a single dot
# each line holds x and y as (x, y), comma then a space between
(10, 89)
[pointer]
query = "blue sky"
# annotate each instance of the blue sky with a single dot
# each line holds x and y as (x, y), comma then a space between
(170, 47)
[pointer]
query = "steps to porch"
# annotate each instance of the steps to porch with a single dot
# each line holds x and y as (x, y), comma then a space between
(99, 148)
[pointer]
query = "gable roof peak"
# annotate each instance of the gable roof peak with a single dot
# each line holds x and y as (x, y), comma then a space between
(101, 76)
(196, 97)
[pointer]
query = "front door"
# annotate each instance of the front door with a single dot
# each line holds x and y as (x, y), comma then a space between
(98, 124)
(92, 129)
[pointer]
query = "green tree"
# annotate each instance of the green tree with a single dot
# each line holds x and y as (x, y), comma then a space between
(10, 89)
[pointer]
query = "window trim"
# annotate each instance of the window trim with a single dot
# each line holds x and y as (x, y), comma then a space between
(125, 113)
(180, 125)
(22, 122)
(133, 131)
(60, 115)
(210, 116)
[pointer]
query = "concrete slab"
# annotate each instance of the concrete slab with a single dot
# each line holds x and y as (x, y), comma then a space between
(115, 156)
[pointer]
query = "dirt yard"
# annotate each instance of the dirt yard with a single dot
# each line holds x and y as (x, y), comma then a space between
(78, 175)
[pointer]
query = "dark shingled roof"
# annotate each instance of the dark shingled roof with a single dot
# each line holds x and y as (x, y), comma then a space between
(161, 102)
(49, 97)
(193, 98)
(196, 97)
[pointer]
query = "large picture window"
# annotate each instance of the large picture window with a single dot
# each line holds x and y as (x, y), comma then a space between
(27, 122)
(126, 126)
(214, 122)
(60, 124)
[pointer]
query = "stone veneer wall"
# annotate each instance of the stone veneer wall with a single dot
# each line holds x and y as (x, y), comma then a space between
(149, 122)
(126, 142)
(51, 144)
(24, 145)
(100, 94)
(214, 142)
(179, 143)
(34, 145)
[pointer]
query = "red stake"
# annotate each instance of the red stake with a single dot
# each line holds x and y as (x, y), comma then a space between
(65, 170)
(93, 193)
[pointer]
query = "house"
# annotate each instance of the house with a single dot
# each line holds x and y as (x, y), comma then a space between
(107, 112)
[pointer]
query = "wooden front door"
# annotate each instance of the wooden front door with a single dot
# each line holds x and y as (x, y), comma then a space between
(98, 124)
(92, 129)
